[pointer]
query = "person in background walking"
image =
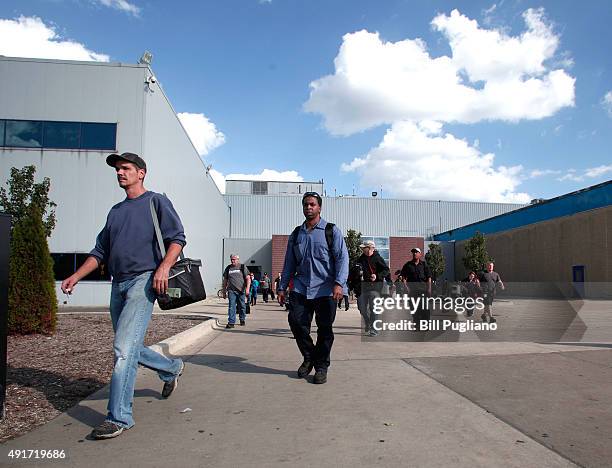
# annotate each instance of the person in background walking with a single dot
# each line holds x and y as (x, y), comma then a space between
(277, 284)
(375, 272)
(236, 284)
(471, 288)
(418, 279)
(265, 287)
(254, 289)
(489, 281)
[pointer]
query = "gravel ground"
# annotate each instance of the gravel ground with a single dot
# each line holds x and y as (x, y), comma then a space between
(49, 374)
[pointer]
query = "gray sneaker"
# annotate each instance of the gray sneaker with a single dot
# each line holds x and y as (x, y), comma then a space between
(170, 386)
(107, 430)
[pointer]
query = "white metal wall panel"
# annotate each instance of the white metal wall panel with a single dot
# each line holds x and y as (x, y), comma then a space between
(175, 168)
(262, 216)
(82, 185)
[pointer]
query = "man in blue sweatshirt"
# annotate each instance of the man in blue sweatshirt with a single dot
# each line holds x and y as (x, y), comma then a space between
(128, 246)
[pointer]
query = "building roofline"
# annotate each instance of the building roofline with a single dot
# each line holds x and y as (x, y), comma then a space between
(528, 207)
(73, 62)
(350, 197)
(279, 181)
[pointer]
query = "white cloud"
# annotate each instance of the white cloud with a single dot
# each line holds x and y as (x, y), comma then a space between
(269, 174)
(414, 162)
(542, 172)
(377, 82)
(219, 179)
(598, 171)
(31, 37)
(203, 133)
(266, 174)
(122, 5)
(590, 173)
(606, 102)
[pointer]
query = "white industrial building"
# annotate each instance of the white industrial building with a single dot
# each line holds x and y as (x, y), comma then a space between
(124, 97)
(65, 117)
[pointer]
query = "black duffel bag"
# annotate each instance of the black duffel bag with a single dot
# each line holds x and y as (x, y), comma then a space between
(185, 285)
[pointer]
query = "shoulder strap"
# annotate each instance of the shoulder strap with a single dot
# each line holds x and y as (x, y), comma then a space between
(158, 234)
(294, 234)
(329, 236)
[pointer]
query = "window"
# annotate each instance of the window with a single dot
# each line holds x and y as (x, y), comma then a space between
(23, 133)
(382, 246)
(62, 135)
(58, 135)
(260, 188)
(98, 136)
(65, 264)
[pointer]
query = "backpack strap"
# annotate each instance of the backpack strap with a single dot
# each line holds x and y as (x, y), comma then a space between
(294, 234)
(329, 236)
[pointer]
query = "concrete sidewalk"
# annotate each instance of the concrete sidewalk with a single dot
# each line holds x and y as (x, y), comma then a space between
(240, 403)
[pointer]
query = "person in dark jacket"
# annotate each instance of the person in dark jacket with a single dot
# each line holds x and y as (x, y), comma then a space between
(471, 288)
(417, 274)
(375, 271)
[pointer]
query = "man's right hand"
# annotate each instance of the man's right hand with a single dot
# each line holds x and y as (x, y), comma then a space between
(280, 295)
(68, 284)
(224, 294)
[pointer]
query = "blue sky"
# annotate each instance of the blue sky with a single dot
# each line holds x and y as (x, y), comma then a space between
(496, 101)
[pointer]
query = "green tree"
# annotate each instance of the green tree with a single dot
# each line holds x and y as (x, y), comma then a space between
(436, 261)
(476, 255)
(353, 239)
(32, 299)
(23, 192)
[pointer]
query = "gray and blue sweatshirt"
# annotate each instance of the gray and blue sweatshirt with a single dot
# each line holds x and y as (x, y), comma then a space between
(127, 243)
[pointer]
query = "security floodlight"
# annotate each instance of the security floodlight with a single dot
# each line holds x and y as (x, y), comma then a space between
(147, 58)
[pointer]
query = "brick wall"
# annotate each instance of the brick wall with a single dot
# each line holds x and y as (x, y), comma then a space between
(279, 247)
(399, 251)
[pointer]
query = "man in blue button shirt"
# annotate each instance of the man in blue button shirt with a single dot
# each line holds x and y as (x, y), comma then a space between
(319, 282)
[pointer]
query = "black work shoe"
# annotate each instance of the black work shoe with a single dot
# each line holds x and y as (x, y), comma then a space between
(107, 430)
(243, 323)
(320, 377)
(492, 320)
(229, 325)
(170, 386)
(305, 369)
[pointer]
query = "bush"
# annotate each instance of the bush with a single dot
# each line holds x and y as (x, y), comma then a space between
(32, 299)
(436, 261)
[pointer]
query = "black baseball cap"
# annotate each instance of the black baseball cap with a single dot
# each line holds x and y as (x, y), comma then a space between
(112, 159)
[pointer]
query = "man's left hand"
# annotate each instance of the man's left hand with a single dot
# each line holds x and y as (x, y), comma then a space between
(337, 292)
(160, 279)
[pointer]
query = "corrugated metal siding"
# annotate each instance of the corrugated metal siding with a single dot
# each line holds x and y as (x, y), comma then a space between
(590, 198)
(262, 216)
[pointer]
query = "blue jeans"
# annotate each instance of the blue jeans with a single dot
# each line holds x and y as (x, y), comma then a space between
(131, 307)
(236, 299)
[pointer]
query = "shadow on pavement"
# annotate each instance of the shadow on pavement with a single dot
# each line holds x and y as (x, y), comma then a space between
(237, 364)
